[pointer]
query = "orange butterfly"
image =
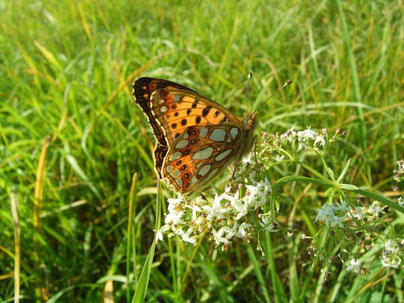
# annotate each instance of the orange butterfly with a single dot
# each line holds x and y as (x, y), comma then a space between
(196, 138)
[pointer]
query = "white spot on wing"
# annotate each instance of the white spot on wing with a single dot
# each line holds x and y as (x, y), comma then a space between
(179, 182)
(164, 109)
(181, 144)
(169, 168)
(174, 156)
(203, 154)
(194, 180)
(204, 132)
(223, 155)
(186, 136)
(175, 174)
(234, 132)
(204, 170)
(218, 135)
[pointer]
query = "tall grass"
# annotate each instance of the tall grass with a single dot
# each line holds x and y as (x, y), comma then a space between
(71, 140)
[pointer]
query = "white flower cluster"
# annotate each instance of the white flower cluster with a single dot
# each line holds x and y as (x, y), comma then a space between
(225, 215)
(391, 254)
(399, 172)
(370, 213)
(333, 214)
(305, 138)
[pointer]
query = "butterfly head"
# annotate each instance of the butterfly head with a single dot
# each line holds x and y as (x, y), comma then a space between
(250, 121)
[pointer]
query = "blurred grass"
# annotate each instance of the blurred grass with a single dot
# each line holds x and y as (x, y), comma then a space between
(64, 69)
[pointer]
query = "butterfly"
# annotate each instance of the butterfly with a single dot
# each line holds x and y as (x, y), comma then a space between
(196, 138)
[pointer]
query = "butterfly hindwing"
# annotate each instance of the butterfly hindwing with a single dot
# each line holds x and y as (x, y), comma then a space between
(199, 154)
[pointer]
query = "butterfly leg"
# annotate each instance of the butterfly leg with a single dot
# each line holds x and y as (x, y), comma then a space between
(255, 148)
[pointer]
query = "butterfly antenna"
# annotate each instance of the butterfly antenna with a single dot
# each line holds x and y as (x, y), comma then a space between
(288, 82)
(249, 89)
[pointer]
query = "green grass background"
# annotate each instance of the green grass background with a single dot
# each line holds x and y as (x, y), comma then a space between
(66, 70)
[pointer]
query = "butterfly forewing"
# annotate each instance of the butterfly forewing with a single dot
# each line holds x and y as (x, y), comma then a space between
(143, 88)
(176, 110)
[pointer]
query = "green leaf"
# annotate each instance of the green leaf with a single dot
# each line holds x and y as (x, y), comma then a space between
(341, 176)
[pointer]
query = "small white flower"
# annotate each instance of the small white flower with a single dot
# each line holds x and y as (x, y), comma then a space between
(223, 235)
(391, 246)
(174, 218)
(174, 203)
(375, 210)
(159, 235)
(319, 141)
(257, 194)
(391, 254)
(327, 214)
(242, 230)
(186, 236)
(337, 221)
(278, 158)
(354, 266)
(289, 135)
(216, 210)
(340, 207)
(390, 261)
(306, 134)
(358, 213)
(248, 159)
(238, 205)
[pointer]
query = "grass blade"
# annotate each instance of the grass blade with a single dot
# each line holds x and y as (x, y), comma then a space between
(141, 287)
(17, 256)
(258, 273)
(133, 190)
(38, 196)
